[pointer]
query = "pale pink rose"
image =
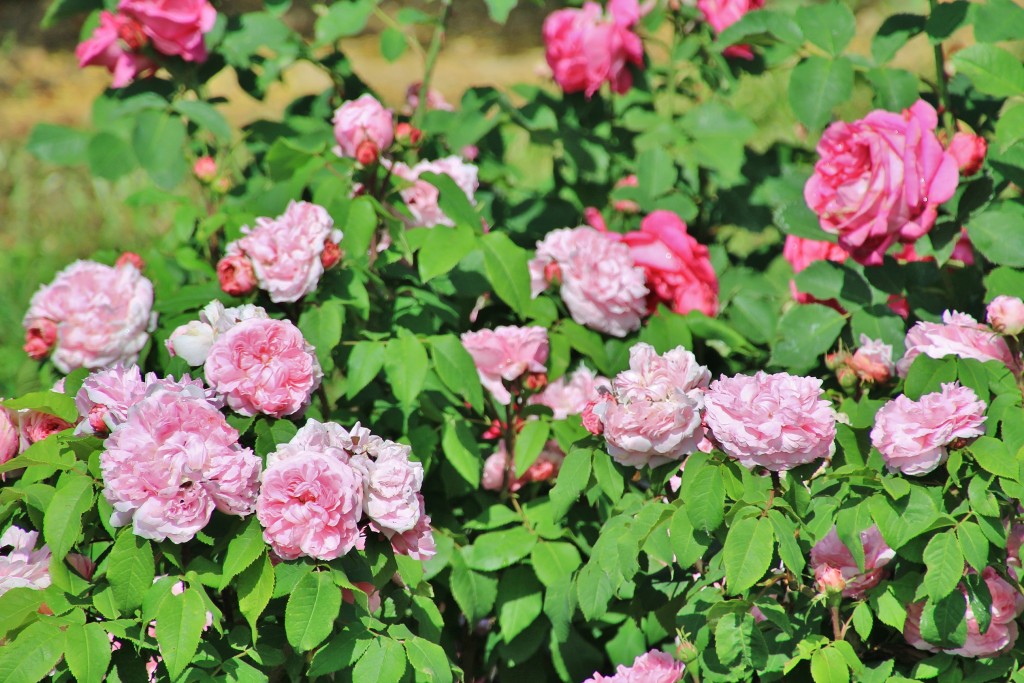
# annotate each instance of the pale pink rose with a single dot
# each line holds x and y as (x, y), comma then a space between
(969, 151)
(912, 628)
(102, 315)
(310, 504)
(721, 14)
(880, 180)
(205, 169)
(801, 252)
(175, 27)
(418, 543)
(774, 421)
(363, 121)
(651, 667)
(912, 436)
(505, 354)
(263, 366)
(36, 426)
(957, 335)
(105, 397)
(172, 461)
(435, 100)
(192, 341)
(321, 436)
(1007, 602)
(391, 484)
(585, 47)
(23, 566)
(285, 252)
(872, 362)
(421, 197)
(570, 397)
(601, 284)
(832, 552)
(678, 268)
(9, 435)
(829, 579)
(1006, 315)
(116, 44)
(545, 467)
(626, 205)
(236, 274)
(495, 466)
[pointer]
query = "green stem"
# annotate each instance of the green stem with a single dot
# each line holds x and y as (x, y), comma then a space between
(940, 83)
(431, 61)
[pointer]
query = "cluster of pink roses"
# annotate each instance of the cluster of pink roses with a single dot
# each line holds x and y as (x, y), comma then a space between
(284, 256)
(91, 316)
(651, 667)
(870, 363)
(837, 571)
(328, 487)
(171, 27)
(23, 566)
(959, 334)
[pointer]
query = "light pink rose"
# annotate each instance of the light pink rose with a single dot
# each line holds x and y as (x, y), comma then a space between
(36, 426)
(362, 122)
(373, 600)
(774, 421)
(957, 335)
(172, 461)
(435, 100)
(832, 552)
(721, 14)
(391, 484)
(601, 284)
(651, 667)
(263, 366)
(872, 362)
(105, 397)
(912, 436)
(677, 267)
(418, 543)
(421, 197)
(192, 341)
(543, 468)
(1006, 315)
(829, 579)
(102, 315)
(969, 151)
(586, 48)
(175, 27)
(880, 180)
(285, 252)
(10, 439)
(116, 44)
(506, 353)
(570, 397)
(801, 252)
(23, 566)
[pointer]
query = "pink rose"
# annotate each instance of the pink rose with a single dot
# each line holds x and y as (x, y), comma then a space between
(360, 122)
(418, 543)
(969, 151)
(23, 566)
(421, 197)
(831, 552)
(391, 483)
(957, 335)
(912, 436)
(175, 27)
(36, 426)
(105, 397)
(192, 341)
(585, 48)
(543, 468)
(829, 579)
(570, 397)
(205, 169)
(601, 284)
(1014, 540)
(102, 315)
(880, 180)
(721, 14)
(872, 362)
(801, 252)
(1006, 315)
(10, 439)
(40, 337)
(626, 205)
(505, 354)
(236, 275)
(774, 421)
(677, 267)
(435, 100)
(263, 366)
(651, 667)
(115, 44)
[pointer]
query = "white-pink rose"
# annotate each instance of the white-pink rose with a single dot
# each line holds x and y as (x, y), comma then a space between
(391, 483)
(570, 397)
(1006, 315)
(957, 335)
(505, 354)
(23, 566)
(363, 122)
(651, 667)
(832, 552)
(192, 341)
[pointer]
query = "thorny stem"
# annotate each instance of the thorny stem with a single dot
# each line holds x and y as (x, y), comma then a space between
(431, 61)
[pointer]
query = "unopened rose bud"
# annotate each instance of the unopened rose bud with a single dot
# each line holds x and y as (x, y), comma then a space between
(205, 169)
(687, 652)
(834, 361)
(496, 429)
(626, 205)
(130, 258)
(592, 422)
(330, 255)
(829, 579)
(847, 377)
(222, 185)
(40, 337)
(536, 381)
(82, 564)
(130, 32)
(1006, 315)
(236, 275)
(969, 151)
(553, 273)
(366, 152)
(96, 419)
(406, 134)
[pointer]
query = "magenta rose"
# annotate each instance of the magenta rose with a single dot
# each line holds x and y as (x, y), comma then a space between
(721, 14)
(23, 566)
(912, 436)
(175, 27)
(115, 45)
(505, 354)
(263, 366)
(586, 48)
(1006, 315)
(880, 180)
(957, 335)
(774, 421)
(651, 667)
(969, 151)
(831, 552)
(363, 123)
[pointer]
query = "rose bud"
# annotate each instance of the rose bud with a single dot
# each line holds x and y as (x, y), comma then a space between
(40, 337)
(969, 151)
(1006, 315)
(236, 275)
(829, 579)
(205, 169)
(130, 257)
(331, 255)
(367, 152)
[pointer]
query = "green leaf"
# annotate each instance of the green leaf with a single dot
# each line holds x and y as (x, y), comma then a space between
(62, 522)
(474, 592)
(460, 449)
(500, 9)
(529, 443)
(945, 18)
(830, 27)
(993, 70)
(205, 116)
(927, 375)
(704, 500)
(343, 19)
(429, 661)
(406, 367)
(519, 602)
(944, 622)
(383, 662)
(453, 201)
(254, 588)
(342, 651)
(552, 562)
(456, 369)
(998, 233)
(997, 20)
(656, 174)
(392, 44)
(507, 271)
(993, 456)
(829, 666)
(806, 332)
(272, 433)
(945, 563)
(687, 544)
(748, 552)
(863, 621)
(88, 652)
(311, 610)
(179, 628)
(159, 140)
(16, 605)
(817, 86)
(594, 591)
(786, 533)
(609, 477)
(321, 326)
(130, 570)
(893, 34)
(364, 363)
(894, 89)
(31, 656)
(442, 249)
(49, 402)
(499, 549)
(573, 479)
(244, 549)
(110, 156)
(58, 144)
(760, 23)
(973, 544)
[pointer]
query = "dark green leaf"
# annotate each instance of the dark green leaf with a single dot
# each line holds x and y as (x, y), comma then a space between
(460, 449)
(506, 266)
(552, 562)
(807, 332)
(383, 662)
(406, 367)
(704, 499)
(62, 522)
(519, 602)
(159, 140)
(364, 363)
(945, 563)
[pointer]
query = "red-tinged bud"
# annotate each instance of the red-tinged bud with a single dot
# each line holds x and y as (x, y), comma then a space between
(969, 151)
(553, 273)
(222, 185)
(829, 579)
(367, 152)
(496, 429)
(236, 275)
(205, 169)
(536, 381)
(834, 361)
(96, 419)
(592, 422)
(130, 257)
(40, 337)
(847, 377)
(687, 652)
(407, 134)
(331, 255)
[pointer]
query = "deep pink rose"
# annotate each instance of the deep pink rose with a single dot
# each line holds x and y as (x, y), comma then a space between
(722, 14)
(10, 440)
(872, 362)
(102, 315)
(115, 45)
(361, 121)
(969, 151)
(1006, 315)
(831, 552)
(175, 27)
(23, 566)
(506, 353)
(585, 48)
(651, 667)
(601, 285)
(421, 197)
(678, 269)
(36, 426)
(801, 252)
(880, 180)
(570, 397)
(957, 335)
(912, 435)
(774, 421)
(263, 366)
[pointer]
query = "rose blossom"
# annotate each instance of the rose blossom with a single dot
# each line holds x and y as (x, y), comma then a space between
(115, 45)
(832, 552)
(872, 362)
(363, 122)
(236, 275)
(263, 366)
(721, 14)
(36, 426)
(543, 468)
(651, 667)
(102, 315)
(912, 435)
(418, 543)
(677, 267)
(957, 335)
(192, 341)
(601, 284)
(285, 252)
(435, 100)
(880, 180)
(1006, 315)
(175, 27)
(9, 435)
(421, 197)
(391, 484)
(776, 421)
(570, 397)
(586, 48)
(23, 566)
(969, 151)
(505, 354)
(801, 252)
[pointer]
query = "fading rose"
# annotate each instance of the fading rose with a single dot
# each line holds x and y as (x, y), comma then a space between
(175, 27)
(957, 335)
(23, 566)
(505, 354)
(361, 121)
(872, 362)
